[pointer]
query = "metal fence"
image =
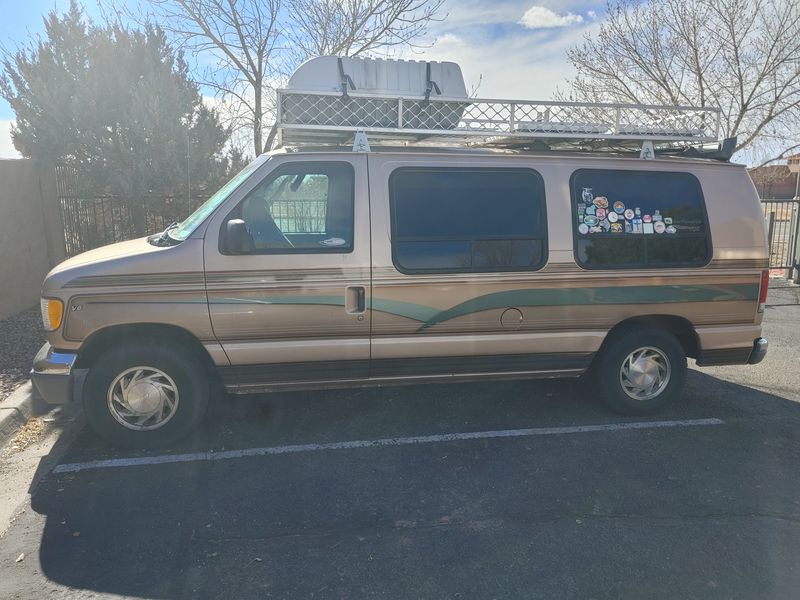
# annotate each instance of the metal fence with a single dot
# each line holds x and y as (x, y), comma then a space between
(300, 215)
(91, 221)
(782, 223)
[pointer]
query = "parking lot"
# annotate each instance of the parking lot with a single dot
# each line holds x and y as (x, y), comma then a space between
(494, 490)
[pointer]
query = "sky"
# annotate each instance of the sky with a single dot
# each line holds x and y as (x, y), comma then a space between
(513, 48)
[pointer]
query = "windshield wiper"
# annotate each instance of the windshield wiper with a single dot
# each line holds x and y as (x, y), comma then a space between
(163, 238)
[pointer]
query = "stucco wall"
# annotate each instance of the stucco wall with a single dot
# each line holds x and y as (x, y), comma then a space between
(31, 237)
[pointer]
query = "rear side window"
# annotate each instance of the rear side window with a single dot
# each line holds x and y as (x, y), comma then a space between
(634, 219)
(467, 220)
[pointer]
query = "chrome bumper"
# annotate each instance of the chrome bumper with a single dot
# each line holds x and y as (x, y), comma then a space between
(53, 374)
(759, 351)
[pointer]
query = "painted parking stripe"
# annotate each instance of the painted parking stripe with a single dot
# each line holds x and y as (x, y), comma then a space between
(211, 456)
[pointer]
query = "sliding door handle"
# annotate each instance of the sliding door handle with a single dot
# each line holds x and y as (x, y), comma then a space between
(355, 302)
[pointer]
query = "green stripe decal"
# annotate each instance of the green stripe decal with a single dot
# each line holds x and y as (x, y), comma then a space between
(429, 316)
(661, 294)
(418, 312)
(327, 300)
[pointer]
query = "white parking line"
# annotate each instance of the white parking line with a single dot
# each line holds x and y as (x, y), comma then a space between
(211, 456)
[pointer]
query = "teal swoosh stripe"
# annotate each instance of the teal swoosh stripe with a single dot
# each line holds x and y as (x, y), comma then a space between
(598, 295)
(418, 312)
(429, 316)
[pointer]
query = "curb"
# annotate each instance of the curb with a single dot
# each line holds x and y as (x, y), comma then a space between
(17, 409)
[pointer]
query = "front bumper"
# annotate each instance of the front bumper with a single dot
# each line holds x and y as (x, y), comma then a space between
(53, 374)
(759, 351)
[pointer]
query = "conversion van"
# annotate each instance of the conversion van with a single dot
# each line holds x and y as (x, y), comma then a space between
(405, 233)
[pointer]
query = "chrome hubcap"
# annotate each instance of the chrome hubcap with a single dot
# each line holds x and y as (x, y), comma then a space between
(143, 398)
(645, 373)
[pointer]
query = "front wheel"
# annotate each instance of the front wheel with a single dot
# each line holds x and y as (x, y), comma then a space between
(145, 395)
(639, 372)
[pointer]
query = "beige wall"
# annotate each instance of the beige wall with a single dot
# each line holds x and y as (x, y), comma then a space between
(31, 236)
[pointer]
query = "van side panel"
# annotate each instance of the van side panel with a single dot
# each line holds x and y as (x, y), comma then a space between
(454, 319)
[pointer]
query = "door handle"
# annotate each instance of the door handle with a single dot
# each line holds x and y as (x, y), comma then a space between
(355, 302)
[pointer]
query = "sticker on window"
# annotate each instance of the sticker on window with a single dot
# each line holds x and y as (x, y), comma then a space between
(334, 241)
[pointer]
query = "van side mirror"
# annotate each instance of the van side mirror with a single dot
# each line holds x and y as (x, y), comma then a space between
(237, 239)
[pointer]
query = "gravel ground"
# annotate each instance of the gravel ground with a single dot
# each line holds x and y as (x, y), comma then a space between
(21, 336)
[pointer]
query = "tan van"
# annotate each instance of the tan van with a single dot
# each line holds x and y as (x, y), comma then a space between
(325, 266)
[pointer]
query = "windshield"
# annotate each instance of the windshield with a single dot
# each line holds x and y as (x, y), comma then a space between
(188, 225)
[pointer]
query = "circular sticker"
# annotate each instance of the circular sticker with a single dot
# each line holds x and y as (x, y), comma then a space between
(583, 228)
(629, 214)
(590, 220)
(613, 217)
(601, 213)
(619, 207)
(671, 229)
(647, 219)
(601, 202)
(659, 227)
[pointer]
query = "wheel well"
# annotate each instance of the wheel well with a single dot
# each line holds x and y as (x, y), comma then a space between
(161, 334)
(681, 328)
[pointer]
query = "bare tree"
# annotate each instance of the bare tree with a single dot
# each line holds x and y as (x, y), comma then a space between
(765, 178)
(355, 27)
(740, 55)
(254, 44)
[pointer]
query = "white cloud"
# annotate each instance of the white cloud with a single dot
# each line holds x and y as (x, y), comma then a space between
(477, 12)
(539, 17)
(522, 63)
(7, 149)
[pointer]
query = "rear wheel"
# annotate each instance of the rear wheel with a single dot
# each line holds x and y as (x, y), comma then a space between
(145, 395)
(640, 371)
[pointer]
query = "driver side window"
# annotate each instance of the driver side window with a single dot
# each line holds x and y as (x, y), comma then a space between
(301, 208)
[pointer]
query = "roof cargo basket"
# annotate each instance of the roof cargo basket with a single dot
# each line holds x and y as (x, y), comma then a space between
(328, 100)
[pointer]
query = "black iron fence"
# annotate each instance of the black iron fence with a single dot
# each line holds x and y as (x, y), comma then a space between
(300, 215)
(782, 224)
(90, 221)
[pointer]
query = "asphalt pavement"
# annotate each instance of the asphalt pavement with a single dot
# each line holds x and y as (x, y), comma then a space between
(494, 490)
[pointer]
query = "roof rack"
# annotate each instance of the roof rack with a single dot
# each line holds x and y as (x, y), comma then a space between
(313, 110)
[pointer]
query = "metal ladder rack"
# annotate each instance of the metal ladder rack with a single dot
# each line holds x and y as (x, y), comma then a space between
(315, 117)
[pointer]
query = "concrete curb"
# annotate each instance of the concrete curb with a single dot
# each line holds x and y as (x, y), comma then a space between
(15, 411)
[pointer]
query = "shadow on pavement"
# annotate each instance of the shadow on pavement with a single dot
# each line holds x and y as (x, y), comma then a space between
(697, 512)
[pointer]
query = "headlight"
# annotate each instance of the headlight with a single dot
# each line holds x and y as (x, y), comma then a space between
(52, 313)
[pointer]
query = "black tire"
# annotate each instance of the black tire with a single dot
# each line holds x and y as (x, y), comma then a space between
(605, 373)
(187, 371)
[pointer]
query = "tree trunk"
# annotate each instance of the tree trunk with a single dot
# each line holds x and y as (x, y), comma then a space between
(273, 132)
